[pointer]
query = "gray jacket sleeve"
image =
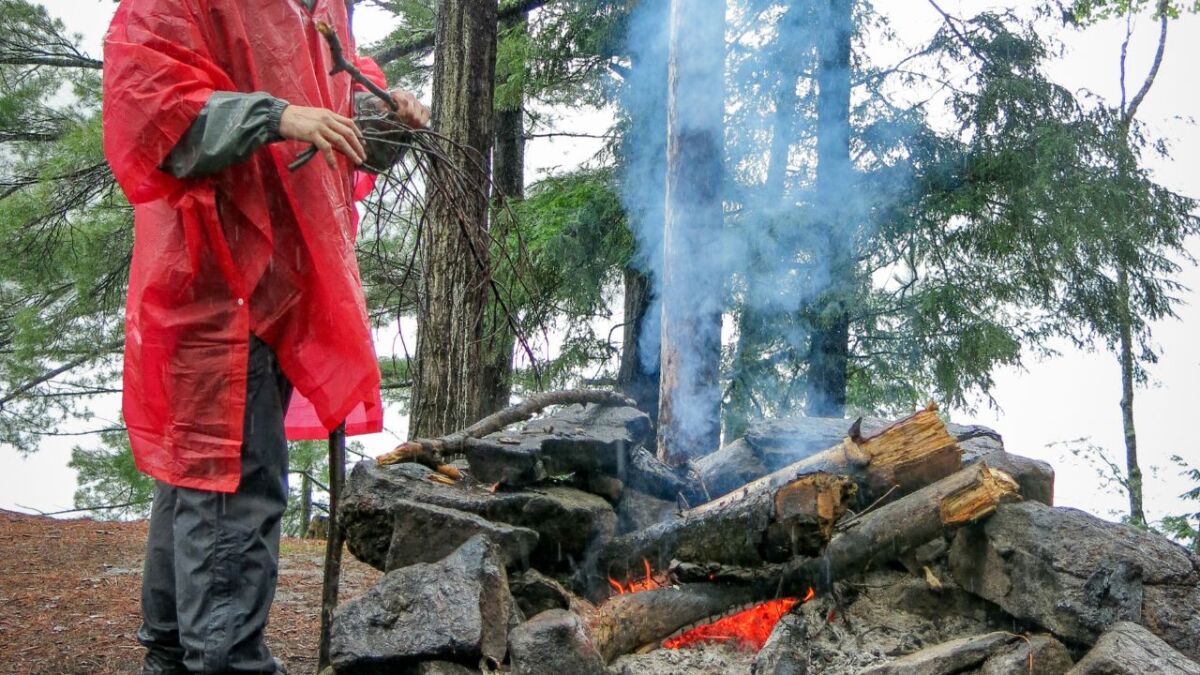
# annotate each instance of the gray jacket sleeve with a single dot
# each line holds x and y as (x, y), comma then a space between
(230, 127)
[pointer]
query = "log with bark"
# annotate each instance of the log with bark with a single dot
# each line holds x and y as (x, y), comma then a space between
(791, 512)
(874, 536)
(627, 622)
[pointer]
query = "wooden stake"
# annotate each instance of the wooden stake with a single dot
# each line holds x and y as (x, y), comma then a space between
(333, 542)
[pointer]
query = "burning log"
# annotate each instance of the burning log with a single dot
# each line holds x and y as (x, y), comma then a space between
(772, 523)
(900, 458)
(626, 622)
(875, 536)
(432, 451)
(791, 512)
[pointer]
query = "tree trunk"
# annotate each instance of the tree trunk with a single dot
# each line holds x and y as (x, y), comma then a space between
(305, 504)
(447, 387)
(637, 378)
(1133, 479)
(829, 349)
(508, 186)
(692, 290)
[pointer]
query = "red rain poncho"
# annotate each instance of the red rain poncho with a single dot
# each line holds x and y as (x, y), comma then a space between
(252, 249)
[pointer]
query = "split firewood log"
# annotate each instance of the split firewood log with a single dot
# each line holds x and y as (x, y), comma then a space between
(791, 512)
(875, 536)
(769, 524)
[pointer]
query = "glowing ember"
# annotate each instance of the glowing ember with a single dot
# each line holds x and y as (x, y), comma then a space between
(647, 583)
(746, 630)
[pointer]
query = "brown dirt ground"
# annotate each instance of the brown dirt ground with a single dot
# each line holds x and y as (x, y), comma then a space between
(69, 597)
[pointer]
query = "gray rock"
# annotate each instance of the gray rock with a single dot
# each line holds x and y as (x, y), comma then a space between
(567, 520)
(535, 592)
(1076, 575)
(1046, 655)
(454, 610)
(554, 643)
(1129, 649)
(576, 439)
(428, 533)
(730, 467)
(638, 510)
(947, 658)
(444, 668)
(981, 444)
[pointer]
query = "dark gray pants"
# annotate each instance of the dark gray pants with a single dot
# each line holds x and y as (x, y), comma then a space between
(212, 559)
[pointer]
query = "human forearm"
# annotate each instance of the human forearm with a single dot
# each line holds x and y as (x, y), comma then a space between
(230, 128)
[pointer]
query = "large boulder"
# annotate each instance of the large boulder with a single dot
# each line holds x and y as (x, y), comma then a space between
(568, 521)
(428, 533)
(455, 610)
(554, 642)
(577, 439)
(1076, 575)
(1129, 649)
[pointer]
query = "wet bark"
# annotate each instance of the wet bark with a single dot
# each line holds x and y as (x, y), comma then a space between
(508, 186)
(447, 387)
(690, 403)
(636, 378)
(829, 349)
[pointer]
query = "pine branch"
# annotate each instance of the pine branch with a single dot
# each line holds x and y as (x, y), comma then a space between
(425, 40)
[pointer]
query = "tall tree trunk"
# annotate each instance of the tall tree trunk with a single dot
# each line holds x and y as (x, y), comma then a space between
(447, 392)
(689, 411)
(643, 179)
(829, 347)
(1133, 478)
(638, 376)
(305, 503)
(740, 405)
(508, 187)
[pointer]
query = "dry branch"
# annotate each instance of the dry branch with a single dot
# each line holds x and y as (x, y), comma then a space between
(432, 452)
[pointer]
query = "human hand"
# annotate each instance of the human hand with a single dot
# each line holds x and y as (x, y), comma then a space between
(409, 111)
(324, 129)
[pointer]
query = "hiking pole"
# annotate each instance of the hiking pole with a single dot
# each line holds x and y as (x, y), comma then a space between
(333, 541)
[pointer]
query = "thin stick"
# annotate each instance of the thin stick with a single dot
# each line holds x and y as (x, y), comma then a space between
(333, 542)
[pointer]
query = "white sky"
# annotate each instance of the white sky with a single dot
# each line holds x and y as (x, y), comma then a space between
(1073, 396)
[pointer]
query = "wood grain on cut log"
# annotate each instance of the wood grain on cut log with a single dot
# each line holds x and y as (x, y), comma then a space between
(902, 457)
(432, 452)
(627, 622)
(770, 524)
(876, 536)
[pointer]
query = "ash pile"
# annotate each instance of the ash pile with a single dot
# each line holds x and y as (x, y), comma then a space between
(809, 546)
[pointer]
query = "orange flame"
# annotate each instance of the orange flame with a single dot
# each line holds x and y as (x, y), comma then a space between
(747, 630)
(647, 583)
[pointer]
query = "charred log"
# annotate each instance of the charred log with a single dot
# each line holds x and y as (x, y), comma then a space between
(769, 524)
(627, 622)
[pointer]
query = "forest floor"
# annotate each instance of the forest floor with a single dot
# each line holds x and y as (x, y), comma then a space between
(70, 589)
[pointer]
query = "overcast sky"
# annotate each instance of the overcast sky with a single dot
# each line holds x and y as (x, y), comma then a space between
(1075, 395)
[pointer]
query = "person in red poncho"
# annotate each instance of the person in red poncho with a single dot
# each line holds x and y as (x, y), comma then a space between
(243, 286)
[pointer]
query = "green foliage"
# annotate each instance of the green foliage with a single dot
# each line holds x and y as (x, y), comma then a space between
(65, 231)
(1090, 11)
(108, 477)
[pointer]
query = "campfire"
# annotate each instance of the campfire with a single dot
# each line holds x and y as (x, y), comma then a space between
(567, 547)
